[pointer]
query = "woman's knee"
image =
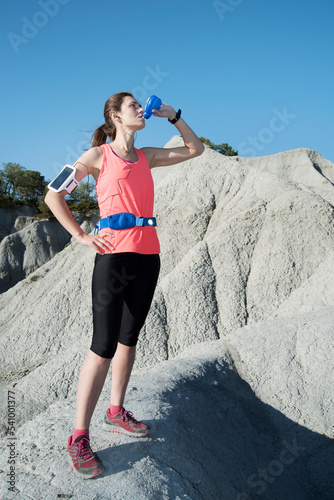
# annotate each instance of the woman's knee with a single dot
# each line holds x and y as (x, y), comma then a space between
(102, 355)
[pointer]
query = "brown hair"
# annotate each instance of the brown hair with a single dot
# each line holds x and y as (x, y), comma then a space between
(108, 129)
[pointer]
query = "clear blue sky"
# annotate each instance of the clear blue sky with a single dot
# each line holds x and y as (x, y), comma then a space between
(257, 74)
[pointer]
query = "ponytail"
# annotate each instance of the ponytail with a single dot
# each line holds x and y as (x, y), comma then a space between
(99, 137)
(108, 129)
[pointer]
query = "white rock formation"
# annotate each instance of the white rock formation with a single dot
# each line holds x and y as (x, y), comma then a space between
(235, 361)
(15, 219)
(31, 244)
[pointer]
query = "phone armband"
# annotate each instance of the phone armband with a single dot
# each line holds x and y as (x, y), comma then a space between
(64, 180)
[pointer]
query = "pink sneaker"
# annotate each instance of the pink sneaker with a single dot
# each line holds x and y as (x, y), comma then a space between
(85, 463)
(125, 423)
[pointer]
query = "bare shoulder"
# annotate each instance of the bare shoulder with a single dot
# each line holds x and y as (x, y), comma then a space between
(92, 158)
(90, 162)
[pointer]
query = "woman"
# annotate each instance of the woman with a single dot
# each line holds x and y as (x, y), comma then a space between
(127, 263)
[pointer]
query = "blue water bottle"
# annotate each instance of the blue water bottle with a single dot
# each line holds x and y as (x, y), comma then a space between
(153, 103)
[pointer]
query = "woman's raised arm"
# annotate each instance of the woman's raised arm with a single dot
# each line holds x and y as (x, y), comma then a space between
(159, 157)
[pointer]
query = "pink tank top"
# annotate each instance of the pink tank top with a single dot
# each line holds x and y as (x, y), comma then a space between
(127, 187)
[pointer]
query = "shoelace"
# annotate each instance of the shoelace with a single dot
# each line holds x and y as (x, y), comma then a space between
(84, 450)
(127, 415)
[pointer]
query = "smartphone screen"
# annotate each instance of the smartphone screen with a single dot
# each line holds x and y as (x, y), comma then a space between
(61, 178)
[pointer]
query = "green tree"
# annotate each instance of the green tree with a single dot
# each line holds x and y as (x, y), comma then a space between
(10, 179)
(224, 148)
(19, 186)
(2, 184)
(30, 187)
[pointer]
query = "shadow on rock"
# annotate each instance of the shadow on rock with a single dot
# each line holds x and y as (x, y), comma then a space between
(226, 444)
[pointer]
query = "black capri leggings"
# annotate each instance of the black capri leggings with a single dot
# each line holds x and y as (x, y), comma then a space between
(122, 288)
